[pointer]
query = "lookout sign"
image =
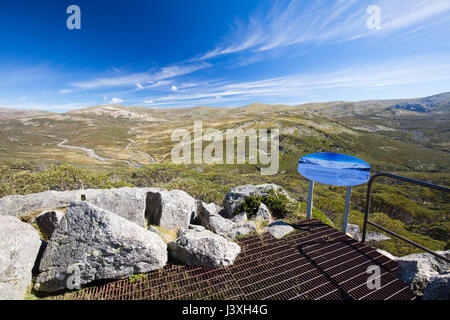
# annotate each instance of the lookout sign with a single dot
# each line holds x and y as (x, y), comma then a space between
(333, 169)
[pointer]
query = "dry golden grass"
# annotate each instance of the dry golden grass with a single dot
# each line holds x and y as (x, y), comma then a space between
(168, 234)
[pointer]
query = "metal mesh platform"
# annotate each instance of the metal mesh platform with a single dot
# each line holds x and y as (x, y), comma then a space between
(314, 262)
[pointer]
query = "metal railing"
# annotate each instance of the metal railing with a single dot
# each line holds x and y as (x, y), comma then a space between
(366, 213)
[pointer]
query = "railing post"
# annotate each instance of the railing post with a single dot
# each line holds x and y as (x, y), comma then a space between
(310, 199)
(366, 211)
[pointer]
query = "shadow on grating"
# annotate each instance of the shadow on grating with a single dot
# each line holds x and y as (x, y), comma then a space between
(314, 262)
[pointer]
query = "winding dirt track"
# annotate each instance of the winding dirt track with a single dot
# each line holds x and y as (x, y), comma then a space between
(91, 153)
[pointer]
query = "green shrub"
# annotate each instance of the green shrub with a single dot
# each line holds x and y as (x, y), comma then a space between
(399, 247)
(60, 178)
(250, 205)
(277, 203)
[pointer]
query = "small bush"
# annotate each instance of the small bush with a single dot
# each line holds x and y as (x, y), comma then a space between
(276, 202)
(250, 205)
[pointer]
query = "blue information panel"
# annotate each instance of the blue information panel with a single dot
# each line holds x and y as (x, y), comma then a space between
(334, 169)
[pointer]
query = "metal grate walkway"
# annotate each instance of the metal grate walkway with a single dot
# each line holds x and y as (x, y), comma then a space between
(314, 262)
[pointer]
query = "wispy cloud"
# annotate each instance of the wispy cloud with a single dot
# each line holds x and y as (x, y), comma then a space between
(271, 33)
(305, 22)
(62, 107)
(17, 75)
(142, 80)
(402, 72)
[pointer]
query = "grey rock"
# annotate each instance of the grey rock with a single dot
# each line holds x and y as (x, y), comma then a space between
(170, 209)
(152, 229)
(48, 221)
(376, 237)
(210, 209)
(194, 227)
(371, 237)
(244, 229)
(354, 231)
(438, 288)
(263, 213)
(18, 205)
(127, 202)
(279, 229)
(198, 247)
(19, 247)
(91, 243)
(417, 269)
(210, 218)
(240, 218)
(237, 195)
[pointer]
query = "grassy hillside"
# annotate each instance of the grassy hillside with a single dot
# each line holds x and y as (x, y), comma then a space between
(41, 152)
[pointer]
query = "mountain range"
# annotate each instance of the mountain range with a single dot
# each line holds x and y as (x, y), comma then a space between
(378, 130)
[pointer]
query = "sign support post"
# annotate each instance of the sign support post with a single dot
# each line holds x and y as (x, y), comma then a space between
(333, 169)
(310, 199)
(347, 209)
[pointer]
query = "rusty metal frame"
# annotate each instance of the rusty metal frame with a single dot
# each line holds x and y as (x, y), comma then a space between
(315, 262)
(367, 209)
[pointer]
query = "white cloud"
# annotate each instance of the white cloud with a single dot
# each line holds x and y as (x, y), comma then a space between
(406, 71)
(139, 86)
(50, 107)
(299, 23)
(116, 100)
(145, 79)
(149, 101)
(174, 88)
(65, 91)
(16, 75)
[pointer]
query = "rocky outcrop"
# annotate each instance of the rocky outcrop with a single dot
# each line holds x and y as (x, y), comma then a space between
(373, 237)
(438, 288)
(263, 213)
(240, 218)
(417, 269)
(19, 247)
(48, 221)
(198, 247)
(170, 209)
(210, 218)
(279, 229)
(127, 202)
(237, 195)
(91, 243)
(354, 231)
(18, 205)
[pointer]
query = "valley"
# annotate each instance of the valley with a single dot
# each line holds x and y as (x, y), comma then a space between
(112, 146)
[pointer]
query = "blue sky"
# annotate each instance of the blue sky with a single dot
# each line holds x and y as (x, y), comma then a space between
(178, 53)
